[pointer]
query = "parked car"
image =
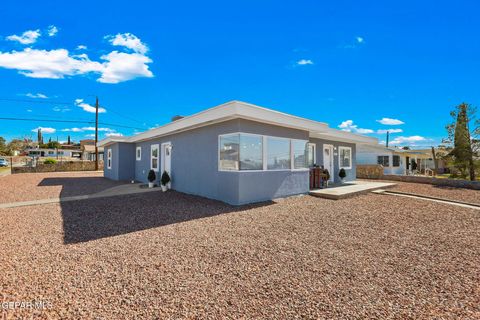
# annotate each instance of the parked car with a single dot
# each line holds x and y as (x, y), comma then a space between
(4, 162)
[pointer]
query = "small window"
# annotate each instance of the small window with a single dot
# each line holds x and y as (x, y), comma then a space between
(396, 161)
(139, 153)
(384, 161)
(345, 157)
(278, 154)
(154, 157)
(311, 157)
(109, 159)
(300, 154)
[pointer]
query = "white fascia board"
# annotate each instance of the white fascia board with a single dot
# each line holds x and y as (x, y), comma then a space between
(111, 140)
(343, 136)
(232, 110)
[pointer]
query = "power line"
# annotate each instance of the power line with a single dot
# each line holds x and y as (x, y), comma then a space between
(68, 121)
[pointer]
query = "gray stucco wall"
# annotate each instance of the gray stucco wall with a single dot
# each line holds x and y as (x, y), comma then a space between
(123, 162)
(195, 165)
(351, 173)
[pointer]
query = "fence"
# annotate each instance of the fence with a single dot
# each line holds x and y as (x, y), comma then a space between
(59, 167)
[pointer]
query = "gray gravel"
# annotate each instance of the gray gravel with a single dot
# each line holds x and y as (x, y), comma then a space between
(35, 186)
(171, 255)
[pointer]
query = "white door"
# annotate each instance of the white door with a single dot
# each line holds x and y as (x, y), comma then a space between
(166, 160)
(328, 159)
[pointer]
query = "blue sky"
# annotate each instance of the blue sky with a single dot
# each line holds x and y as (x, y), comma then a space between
(347, 63)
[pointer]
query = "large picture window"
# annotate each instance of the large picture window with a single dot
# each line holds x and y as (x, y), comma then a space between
(154, 157)
(345, 157)
(300, 154)
(241, 152)
(278, 153)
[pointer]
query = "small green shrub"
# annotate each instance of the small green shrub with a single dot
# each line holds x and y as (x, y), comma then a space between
(151, 176)
(50, 161)
(165, 178)
(342, 174)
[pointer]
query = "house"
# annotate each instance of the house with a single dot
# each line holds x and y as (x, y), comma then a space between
(236, 152)
(53, 153)
(395, 161)
(87, 147)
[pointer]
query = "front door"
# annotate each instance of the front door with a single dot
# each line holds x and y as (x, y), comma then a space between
(328, 160)
(166, 161)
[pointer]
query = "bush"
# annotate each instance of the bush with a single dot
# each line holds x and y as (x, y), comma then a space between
(151, 176)
(325, 172)
(165, 178)
(342, 174)
(50, 161)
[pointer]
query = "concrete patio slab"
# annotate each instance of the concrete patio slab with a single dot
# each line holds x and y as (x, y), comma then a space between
(350, 189)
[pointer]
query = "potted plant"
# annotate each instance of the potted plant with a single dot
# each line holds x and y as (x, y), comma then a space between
(327, 178)
(151, 178)
(342, 174)
(165, 180)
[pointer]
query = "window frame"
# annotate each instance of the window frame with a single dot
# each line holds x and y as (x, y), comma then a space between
(264, 152)
(292, 155)
(383, 162)
(314, 145)
(109, 158)
(399, 161)
(152, 147)
(138, 157)
(340, 148)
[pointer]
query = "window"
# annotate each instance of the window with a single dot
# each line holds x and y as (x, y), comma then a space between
(300, 154)
(229, 152)
(154, 157)
(278, 153)
(396, 161)
(384, 161)
(251, 152)
(51, 152)
(345, 157)
(139, 153)
(311, 156)
(109, 159)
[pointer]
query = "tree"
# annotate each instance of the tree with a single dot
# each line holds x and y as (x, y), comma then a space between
(465, 146)
(53, 145)
(16, 145)
(3, 147)
(68, 141)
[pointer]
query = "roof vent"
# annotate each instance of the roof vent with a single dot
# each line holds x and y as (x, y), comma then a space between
(177, 117)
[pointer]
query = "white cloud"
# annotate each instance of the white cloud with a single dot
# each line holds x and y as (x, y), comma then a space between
(359, 39)
(36, 95)
(114, 134)
(92, 135)
(45, 129)
(72, 130)
(28, 37)
(391, 122)
(122, 66)
(52, 31)
(304, 62)
(383, 131)
(408, 140)
(61, 109)
(88, 108)
(130, 41)
(101, 129)
(81, 47)
(29, 110)
(348, 126)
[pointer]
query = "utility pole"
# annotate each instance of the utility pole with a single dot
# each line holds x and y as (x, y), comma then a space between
(388, 136)
(96, 134)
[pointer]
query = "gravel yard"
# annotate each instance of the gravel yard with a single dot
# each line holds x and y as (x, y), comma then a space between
(459, 194)
(35, 186)
(157, 255)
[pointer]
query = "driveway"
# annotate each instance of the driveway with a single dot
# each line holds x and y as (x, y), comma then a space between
(171, 255)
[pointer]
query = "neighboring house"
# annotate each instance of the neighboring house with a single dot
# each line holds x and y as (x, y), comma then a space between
(53, 153)
(236, 152)
(88, 150)
(395, 161)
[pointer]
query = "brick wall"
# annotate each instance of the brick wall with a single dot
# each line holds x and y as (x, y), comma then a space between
(367, 171)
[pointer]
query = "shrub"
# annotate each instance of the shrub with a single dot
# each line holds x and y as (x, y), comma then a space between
(342, 174)
(325, 171)
(151, 176)
(50, 161)
(165, 178)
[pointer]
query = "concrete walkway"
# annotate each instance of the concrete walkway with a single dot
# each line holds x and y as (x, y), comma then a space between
(350, 189)
(124, 189)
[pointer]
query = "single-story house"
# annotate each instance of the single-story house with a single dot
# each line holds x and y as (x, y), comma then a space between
(54, 153)
(236, 152)
(395, 161)
(87, 147)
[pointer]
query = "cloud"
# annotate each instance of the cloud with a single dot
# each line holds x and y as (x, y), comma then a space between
(88, 108)
(128, 40)
(29, 110)
(114, 134)
(114, 67)
(45, 129)
(52, 31)
(72, 130)
(408, 140)
(81, 47)
(92, 135)
(61, 109)
(36, 95)
(391, 122)
(360, 39)
(348, 126)
(88, 129)
(304, 62)
(28, 37)
(383, 131)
